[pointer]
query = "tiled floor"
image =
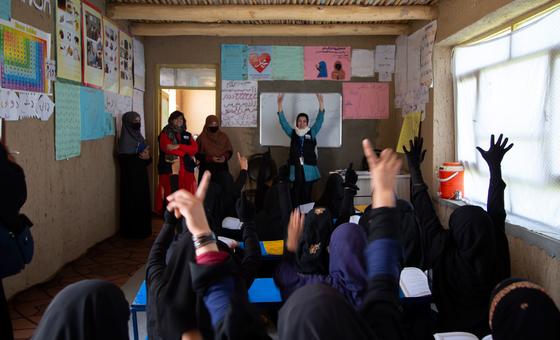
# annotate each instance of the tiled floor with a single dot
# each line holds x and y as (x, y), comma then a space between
(115, 259)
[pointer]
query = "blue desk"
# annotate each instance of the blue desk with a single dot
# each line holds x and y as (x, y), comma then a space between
(264, 291)
(138, 305)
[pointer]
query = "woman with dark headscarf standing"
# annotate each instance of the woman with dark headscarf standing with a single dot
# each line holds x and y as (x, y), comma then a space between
(176, 144)
(470, 258)
(86, 310)
(134, 157)
(214, 148)
(12, 197)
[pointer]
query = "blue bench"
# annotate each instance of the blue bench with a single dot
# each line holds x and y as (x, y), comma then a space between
(138, 305)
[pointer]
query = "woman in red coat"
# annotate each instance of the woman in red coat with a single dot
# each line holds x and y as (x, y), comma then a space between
(176, 144)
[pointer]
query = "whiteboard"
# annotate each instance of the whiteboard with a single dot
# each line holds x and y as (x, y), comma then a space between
(271, 133)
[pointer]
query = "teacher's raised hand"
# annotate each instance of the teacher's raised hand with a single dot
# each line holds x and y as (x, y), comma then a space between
(321, 101)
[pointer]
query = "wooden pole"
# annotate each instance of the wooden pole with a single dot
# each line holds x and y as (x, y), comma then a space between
(221, 13)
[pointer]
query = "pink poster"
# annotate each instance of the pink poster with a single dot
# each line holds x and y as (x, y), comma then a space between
(365, 100)
(327, 63)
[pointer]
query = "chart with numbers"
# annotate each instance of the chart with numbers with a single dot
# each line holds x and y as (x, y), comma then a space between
(23, 60)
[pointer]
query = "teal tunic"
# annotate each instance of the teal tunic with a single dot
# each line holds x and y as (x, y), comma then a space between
(310, 172)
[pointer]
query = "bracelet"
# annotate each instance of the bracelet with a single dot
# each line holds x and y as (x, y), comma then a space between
(204, 239)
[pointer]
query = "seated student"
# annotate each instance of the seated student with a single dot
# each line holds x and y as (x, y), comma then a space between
(470, 258)
(222, 194)
(89, 309)
(178, 309)
(233, 317)
(338, 195)
(311, 249)
(521, 310)
(224, 294)
(271, 220)
(262, 170)
(346, 266)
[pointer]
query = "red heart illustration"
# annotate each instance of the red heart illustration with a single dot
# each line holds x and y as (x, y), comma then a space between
(259, 62)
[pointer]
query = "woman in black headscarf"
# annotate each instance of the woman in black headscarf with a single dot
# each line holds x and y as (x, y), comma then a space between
(134, 157)
(87, 310)
(12, 197)
(521, 310)
(470, 258)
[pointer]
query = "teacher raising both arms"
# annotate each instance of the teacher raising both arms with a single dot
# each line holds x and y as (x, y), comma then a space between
(303, 150)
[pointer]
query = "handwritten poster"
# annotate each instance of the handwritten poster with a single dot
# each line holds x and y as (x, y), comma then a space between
(362, 63)
(138, 107)
(410, 129)
(401, 70)
(24, 52)
(67, 121)
(426, 49)
(125, 65)
(18, 105)
(110, 56)
(365, 100)
(92, 37)
(288, 62)
(234, 62)
(68, 40)
(239, 103)
(259, 62)
(385, 58)
(139, 65)
(95, 122)
(413, 66)
(327, 63)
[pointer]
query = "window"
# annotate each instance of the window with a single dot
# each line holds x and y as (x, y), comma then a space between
(510, 84)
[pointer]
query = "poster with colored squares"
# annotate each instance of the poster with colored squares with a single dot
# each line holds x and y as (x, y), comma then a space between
(68, 40)
(92, 46)
(125, 65)
(23, 59)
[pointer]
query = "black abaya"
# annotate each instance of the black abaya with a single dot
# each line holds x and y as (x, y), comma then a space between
(136, 214)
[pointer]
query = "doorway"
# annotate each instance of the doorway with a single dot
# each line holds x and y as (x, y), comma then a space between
(191, 89)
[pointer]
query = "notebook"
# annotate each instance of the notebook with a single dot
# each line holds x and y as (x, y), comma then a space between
(459, 336)
(414, 283)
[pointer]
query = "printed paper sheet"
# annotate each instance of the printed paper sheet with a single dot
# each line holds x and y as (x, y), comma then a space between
(110, 56)
(410, 129)
(125, 64)
(234, 62)
(92, 37)
(139, 65)
(67, 121)
(68, 40)
(259, 62)
(327, 63)
(95, 122)
(362, 63)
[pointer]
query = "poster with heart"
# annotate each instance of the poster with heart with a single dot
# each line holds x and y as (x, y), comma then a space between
(259, 62)
(110, 56)
(327, 63)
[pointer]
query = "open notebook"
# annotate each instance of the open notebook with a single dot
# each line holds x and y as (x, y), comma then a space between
(414, 283)
(459, 336)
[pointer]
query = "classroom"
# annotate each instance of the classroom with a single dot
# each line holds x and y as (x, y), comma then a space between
(453, 72)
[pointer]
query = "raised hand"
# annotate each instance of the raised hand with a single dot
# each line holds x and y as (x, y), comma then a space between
(321, 101)
(383, 171)
(415, 156)
(279, 100)
(243, 163)
(183, 203)
(495, 153)
(295, 229)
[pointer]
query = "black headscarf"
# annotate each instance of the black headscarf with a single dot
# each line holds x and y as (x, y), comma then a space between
(320, 312)
(312, 256)
(465, 273)
(13, 193)
(411, 236)
(87, 310)
(332, 195)
(179, 308)
(130, 137)
(521, 310)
